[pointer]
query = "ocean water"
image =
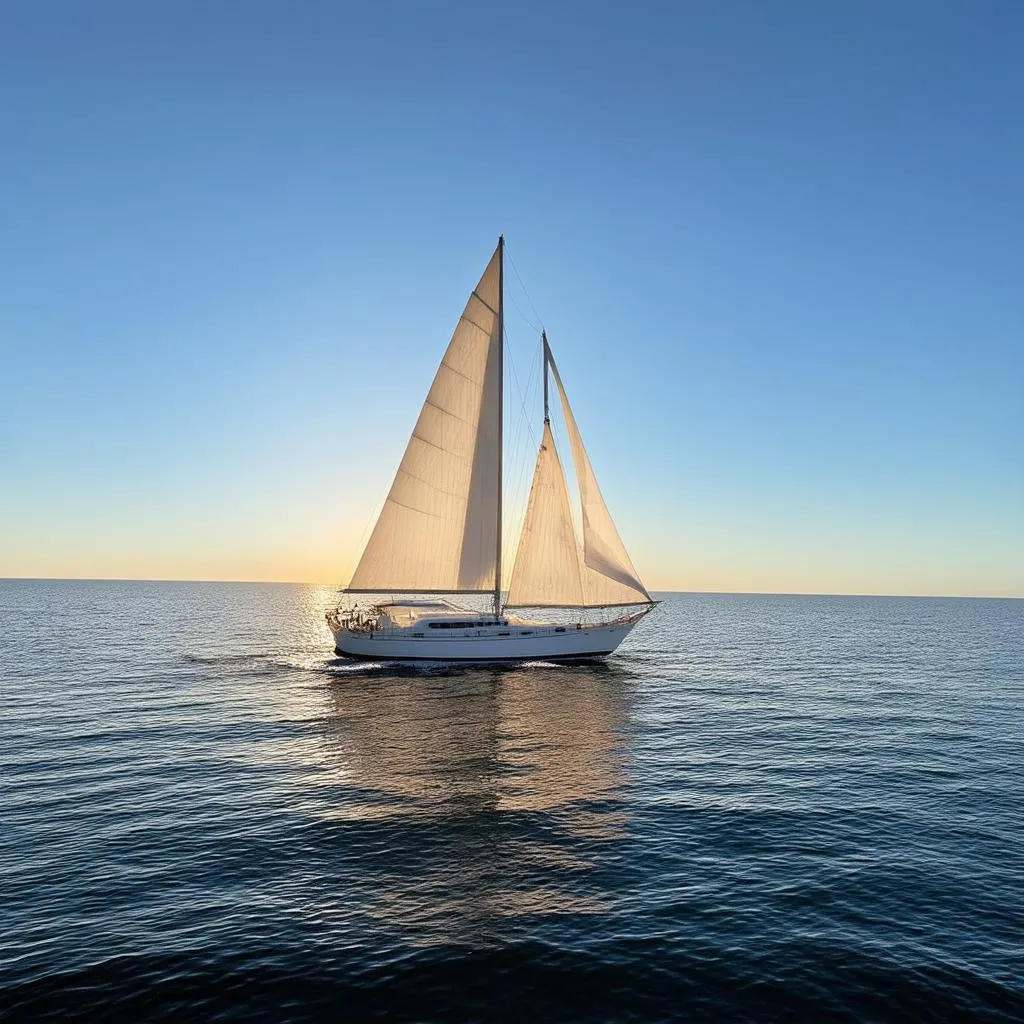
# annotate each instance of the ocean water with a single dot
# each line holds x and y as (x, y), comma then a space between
(762, 808)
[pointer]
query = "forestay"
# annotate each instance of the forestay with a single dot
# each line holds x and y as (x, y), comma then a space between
(439, 526)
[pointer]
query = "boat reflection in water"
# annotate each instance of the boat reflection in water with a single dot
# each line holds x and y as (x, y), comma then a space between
(485, 795)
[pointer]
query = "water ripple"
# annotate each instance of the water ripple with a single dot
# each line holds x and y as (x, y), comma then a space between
(762, 808)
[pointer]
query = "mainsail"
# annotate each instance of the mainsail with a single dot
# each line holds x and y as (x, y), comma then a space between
(550, 569)
(439, 528)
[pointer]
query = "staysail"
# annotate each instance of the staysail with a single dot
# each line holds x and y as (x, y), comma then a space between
(547, 566)
(553, 570)
(438, 530)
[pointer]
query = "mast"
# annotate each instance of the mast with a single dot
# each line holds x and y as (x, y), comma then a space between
(501, 415)
(544, 340)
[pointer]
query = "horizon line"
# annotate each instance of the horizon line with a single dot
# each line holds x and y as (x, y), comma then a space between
(309, 583)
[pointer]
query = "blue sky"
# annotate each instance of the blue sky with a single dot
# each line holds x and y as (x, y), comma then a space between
(777, 248)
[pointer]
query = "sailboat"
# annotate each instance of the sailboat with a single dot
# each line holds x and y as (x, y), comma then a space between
(439, 534)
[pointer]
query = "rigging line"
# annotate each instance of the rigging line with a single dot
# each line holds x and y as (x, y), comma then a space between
(522, 397)
(515, 270)
(514, 479)
(523, 465)
(524, 415)
(518, 440)
(521, 484)
(526, 320)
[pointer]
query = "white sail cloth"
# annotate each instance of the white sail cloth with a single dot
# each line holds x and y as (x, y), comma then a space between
(438, 529)
(547, 565)
(609, 576)
(550, 569)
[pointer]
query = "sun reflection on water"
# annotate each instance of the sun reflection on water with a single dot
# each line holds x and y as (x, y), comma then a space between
(464, 772)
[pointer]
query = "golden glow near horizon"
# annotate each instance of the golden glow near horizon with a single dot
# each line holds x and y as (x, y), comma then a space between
(291, 530)
(318, 558)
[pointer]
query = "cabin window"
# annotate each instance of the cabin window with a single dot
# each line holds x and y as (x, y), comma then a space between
(526, 632)
(504, 634)
(560, 629)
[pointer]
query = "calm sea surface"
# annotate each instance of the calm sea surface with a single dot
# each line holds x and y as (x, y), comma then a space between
(761, 808)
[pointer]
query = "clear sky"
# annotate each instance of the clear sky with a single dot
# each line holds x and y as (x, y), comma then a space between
(778, 248)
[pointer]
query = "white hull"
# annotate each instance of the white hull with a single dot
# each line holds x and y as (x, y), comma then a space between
(517, 644)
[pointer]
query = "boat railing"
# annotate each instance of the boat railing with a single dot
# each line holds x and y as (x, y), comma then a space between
(354, 621)
(363, 621)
